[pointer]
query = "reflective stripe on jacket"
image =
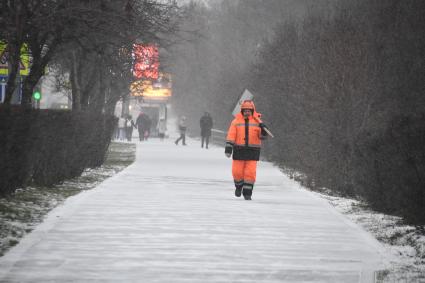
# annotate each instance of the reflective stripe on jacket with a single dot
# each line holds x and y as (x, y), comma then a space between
(244, 136)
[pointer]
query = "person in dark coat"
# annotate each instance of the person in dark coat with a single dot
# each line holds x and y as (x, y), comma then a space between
(142, 123)
(148, 126)
(206, 124)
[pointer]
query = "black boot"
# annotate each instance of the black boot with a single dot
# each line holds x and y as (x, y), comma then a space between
(247, 191)
(238, 186)
(238, 191)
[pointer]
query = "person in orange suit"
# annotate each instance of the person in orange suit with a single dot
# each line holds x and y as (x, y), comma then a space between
(244, 141)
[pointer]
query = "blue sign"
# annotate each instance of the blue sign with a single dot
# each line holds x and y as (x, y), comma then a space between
(3, 81)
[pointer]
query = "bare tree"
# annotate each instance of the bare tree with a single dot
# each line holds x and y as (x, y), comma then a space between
(96, 29)
(101, 54)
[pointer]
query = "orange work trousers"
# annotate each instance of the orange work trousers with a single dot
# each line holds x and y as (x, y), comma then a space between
(244, 171)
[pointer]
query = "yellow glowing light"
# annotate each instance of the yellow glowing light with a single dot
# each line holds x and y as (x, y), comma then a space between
(146, 89)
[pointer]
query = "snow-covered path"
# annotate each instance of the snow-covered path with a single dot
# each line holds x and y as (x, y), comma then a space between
(172, 217)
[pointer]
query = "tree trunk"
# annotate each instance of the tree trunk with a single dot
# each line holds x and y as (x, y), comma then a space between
(110, 106)
(75, 83)
(112, 98)
(27, 89)
(99, 98)
(13, 60)
(31, 81)
(90, 73)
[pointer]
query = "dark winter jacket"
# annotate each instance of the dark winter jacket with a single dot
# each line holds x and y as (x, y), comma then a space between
(143, 122)
(206, 124)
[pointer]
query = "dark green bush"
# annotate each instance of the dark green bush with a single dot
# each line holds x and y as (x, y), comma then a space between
(390, 168)
(44, 147)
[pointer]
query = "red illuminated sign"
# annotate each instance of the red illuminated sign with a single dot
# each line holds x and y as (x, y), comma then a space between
(146, 61)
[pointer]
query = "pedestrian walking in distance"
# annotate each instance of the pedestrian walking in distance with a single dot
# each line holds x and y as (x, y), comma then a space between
(129, 124)
(142, 123)
(148, 126)
(182, 130)
(244, 141)
(206, 124)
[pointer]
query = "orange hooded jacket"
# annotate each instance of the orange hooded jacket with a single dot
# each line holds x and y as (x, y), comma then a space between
(244, 135)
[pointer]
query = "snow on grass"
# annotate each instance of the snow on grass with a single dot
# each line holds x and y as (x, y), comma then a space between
(26, 208)
(405, 243)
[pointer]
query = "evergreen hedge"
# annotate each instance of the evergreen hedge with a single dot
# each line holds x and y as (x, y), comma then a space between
(390, 168)
(45, 147)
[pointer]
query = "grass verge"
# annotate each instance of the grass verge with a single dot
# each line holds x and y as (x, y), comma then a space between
(26, 207)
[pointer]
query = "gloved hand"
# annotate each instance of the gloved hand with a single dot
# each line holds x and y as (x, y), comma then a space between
(263, 131)
(228, 150)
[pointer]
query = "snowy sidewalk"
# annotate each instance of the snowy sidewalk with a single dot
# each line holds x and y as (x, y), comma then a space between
(172, 217)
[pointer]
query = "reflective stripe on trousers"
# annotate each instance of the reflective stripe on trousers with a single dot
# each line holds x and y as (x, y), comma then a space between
(244, 170)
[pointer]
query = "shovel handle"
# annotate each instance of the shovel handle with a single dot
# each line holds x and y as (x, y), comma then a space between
(268, 132)
(265, 128)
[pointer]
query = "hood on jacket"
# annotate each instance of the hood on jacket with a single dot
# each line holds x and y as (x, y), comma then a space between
(249, 104)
